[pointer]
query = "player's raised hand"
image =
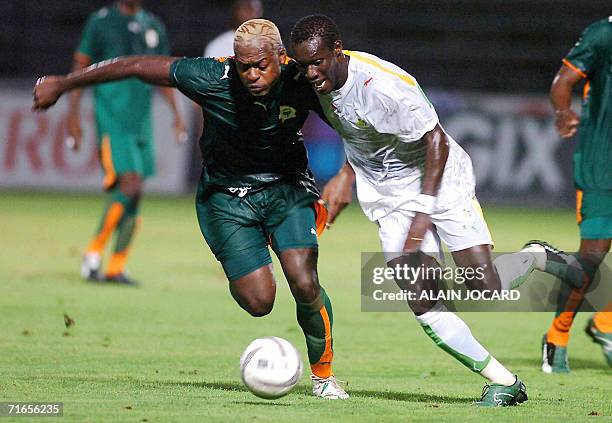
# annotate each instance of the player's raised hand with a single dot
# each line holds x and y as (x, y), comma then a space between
(338, 193)
(566, 122)
(75, 133)
(46, 92)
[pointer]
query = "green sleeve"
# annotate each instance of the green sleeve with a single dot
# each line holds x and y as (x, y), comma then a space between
(89, 44)
(193, 77)
(591, 49)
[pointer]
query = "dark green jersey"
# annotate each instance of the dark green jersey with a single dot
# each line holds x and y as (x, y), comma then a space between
(243, 134)
(592, 58)
(123, 106)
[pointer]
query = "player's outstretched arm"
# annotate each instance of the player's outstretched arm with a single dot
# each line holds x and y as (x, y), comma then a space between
(436, 155)
(566, 119)
(152, 69)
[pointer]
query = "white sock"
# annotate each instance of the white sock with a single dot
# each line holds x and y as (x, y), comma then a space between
(514, 269)
(451, 334)
(496, 373)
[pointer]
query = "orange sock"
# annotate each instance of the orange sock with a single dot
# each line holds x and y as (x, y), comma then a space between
(125, 233)
(117, 263)
(603, 320)
(558, 333)
(111, 220)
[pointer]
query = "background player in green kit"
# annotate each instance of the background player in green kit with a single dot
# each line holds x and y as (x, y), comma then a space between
(590, 60)
(123, 119)
(255, 187)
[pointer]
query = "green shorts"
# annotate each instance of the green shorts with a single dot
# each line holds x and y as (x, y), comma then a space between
(125, 153)
(239, 230)
(594, 214)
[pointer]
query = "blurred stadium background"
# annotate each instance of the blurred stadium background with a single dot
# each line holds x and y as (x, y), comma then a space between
(486, 65)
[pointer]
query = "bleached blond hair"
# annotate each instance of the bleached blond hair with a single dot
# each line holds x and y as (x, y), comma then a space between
(259, 32)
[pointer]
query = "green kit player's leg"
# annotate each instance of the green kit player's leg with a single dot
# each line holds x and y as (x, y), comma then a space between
(599, 329)
(130, 157)
(577, 271)
(114, 211)
(125, 234)
(316, 320)
(119, 154)
(295, 242)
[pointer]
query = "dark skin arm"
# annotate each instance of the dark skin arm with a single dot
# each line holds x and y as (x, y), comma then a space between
(152, 69)
(566, 119)
(436, 155)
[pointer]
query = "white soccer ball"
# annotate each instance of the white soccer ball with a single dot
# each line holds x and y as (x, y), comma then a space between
(270, 367)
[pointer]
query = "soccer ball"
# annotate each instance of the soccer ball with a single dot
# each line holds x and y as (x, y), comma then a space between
(270, 367)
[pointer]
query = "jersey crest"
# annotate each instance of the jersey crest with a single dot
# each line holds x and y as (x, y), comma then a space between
(287, 112)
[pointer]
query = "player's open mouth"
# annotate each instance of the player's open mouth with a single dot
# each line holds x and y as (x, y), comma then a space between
(319, 84)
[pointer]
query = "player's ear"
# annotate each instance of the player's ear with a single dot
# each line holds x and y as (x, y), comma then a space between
(282, 56)
(338, 48)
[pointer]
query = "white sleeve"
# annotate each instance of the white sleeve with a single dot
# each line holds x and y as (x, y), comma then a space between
(403, 110)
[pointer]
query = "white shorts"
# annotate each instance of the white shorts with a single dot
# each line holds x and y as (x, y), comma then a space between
(460, 227)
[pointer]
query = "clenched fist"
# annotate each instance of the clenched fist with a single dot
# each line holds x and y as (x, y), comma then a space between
(47, 91)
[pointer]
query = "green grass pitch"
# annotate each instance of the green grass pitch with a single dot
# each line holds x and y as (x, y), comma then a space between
(169, 351)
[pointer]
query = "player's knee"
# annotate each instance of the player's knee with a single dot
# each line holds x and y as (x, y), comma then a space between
(132, 192)
(259, 307)
(131, 186)
(305, 287)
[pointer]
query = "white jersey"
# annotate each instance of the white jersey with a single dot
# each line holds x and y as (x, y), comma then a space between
(382, 114)
(222, 45)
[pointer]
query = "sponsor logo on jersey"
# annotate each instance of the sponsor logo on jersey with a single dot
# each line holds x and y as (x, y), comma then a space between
(152, 38)
(362, 123)
(259, 103)
(286, 112)
(242, 191)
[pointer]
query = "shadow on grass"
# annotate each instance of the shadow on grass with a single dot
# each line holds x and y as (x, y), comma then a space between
(355, 393)
(300, 390)
(262, 402)
(575, 363)
(411, 397)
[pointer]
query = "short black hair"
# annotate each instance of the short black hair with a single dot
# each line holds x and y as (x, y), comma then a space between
(313, 26)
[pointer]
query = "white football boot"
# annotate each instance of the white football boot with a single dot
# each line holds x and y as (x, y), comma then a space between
(327, 388)
(90, 266)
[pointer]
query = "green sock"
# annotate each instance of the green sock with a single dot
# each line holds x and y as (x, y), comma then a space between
(316, 320)
(125, 232)
(127, 225)
(571, 295)
(577, 277)
(114, 196)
